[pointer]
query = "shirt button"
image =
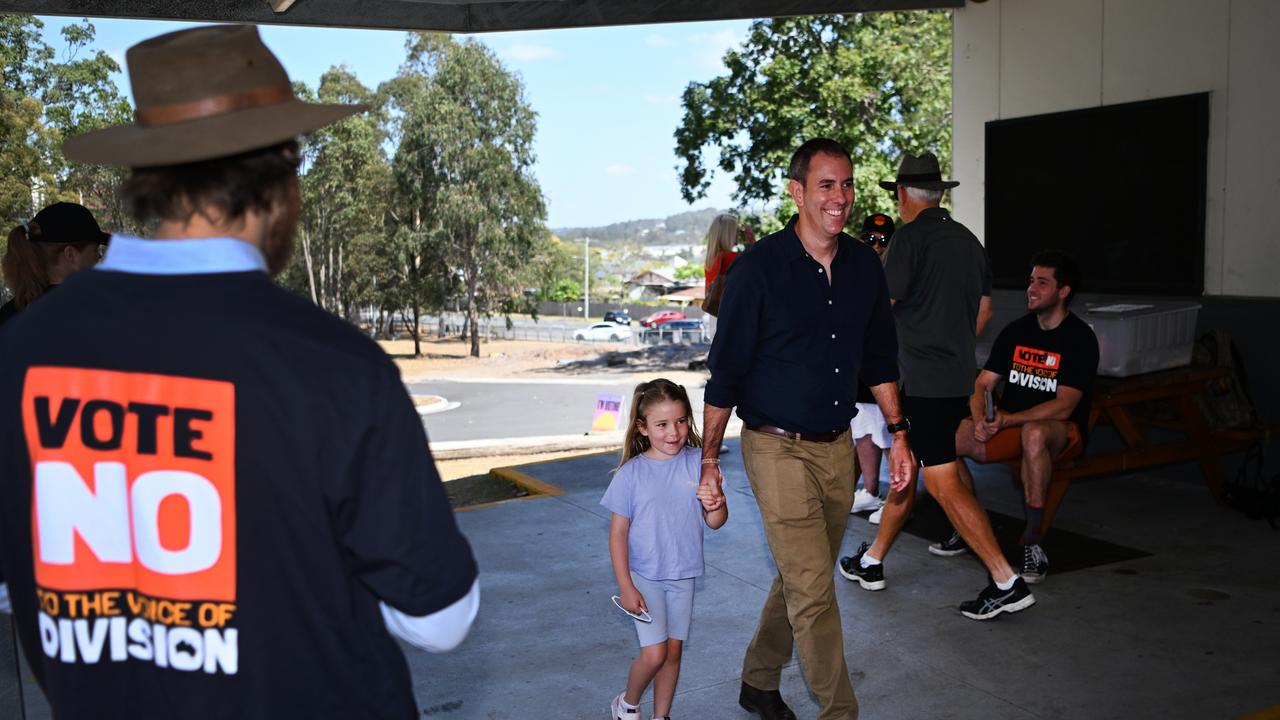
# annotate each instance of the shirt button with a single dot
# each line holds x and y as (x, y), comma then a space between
(819, 271)
(837, 371)
(833, 336)
(837, 402)
(828, 302)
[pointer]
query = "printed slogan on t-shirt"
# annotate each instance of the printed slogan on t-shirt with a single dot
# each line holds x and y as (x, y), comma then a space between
(133, 517)
(1035, 369)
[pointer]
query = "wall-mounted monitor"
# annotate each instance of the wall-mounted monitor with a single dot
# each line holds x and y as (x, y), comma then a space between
(1119, 187)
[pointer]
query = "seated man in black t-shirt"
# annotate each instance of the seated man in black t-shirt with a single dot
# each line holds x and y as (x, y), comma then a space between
(1048, 360)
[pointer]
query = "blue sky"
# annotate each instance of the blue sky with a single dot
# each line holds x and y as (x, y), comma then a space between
(608, 100)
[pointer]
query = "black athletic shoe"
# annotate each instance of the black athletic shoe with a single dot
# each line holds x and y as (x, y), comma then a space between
(1035, 564)
(870, 578)
(992, 601)
(951, 546)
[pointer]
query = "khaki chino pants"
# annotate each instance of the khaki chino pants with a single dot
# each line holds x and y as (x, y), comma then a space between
(804, 490)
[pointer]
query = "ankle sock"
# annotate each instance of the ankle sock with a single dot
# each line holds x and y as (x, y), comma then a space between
(1035, 519)
(1008, 584)
(867, 561)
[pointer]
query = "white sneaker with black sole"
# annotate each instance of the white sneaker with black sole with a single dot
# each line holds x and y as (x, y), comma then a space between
(953, 545)
(864, 501)
(1035, 564)
(992, 601)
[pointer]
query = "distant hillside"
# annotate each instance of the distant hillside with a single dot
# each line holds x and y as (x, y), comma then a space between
(686, 227)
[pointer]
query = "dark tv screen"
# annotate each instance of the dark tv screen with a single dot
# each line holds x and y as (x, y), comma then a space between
(1121, 188)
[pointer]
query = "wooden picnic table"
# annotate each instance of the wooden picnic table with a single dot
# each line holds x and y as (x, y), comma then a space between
(1167, 400)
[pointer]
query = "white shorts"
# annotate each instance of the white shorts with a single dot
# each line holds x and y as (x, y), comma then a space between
(870, 421)
(671, 607)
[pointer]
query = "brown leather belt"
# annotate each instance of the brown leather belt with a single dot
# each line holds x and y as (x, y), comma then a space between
(822, 437)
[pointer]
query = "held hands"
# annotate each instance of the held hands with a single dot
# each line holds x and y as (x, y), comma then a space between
(710, 495)
(984, 431)
(902, 464)
(709, 488)
(632, 600)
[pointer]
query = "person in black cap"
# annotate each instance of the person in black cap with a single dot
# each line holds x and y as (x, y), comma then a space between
(877, 229)
(940, 285)
(58, 242)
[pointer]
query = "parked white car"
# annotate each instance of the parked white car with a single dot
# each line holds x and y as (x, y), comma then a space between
(603, 331)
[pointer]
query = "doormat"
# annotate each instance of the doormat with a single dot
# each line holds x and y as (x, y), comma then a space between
(1067, 550)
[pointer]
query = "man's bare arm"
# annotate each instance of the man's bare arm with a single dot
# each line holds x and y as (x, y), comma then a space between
(902, 462)
(714, 421)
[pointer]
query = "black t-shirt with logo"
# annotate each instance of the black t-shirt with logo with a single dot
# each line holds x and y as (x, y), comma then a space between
(1034, 362)
(209, 485)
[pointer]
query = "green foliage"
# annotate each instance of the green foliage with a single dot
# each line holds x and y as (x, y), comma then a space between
(468, 207)
(43, 100)
(878, 82)
(346, 185)
(565, 290)
(691, 271)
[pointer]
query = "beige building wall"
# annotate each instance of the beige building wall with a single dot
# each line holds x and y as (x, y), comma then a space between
(1025, 57)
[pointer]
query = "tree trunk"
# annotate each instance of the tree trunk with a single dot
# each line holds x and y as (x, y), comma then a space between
(417, 332)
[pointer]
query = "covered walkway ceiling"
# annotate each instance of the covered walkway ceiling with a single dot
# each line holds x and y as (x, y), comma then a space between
(461, 16)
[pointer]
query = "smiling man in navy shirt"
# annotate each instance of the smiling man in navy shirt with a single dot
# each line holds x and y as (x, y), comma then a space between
(805, 314)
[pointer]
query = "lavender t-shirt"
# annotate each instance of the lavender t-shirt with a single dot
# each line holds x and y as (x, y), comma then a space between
(660, 498)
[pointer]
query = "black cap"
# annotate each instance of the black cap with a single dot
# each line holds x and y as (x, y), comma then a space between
(877, 223)
(69, 223)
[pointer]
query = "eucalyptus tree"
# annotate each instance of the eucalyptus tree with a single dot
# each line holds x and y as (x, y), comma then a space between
(467, 210)
(346, 182)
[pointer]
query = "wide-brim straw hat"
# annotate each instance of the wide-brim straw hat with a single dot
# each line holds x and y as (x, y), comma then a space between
(203, 93)
(920, 172)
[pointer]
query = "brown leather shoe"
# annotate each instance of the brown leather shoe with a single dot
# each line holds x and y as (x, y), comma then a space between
(765, 703)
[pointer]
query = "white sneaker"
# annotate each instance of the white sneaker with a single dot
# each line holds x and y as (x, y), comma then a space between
(618, 712)
(875, 516)
(863, 501)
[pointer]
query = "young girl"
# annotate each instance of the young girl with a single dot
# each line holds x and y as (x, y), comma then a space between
(655, 536)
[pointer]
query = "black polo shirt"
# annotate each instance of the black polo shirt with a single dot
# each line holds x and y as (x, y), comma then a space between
(790, 347)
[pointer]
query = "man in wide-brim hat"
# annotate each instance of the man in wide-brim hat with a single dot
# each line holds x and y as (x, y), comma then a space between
(919, 172)
(219, 500)
(940, 284)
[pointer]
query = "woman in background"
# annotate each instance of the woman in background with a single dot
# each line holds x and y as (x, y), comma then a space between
(58, 242)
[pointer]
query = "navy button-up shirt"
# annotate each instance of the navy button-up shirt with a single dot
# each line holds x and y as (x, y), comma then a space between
(789, 346)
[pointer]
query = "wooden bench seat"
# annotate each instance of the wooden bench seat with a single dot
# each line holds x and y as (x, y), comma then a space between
(1121, 402)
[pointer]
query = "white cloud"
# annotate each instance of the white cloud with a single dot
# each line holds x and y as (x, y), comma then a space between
(710, 47)
(620, 169)
(656, 40)
(529, 53)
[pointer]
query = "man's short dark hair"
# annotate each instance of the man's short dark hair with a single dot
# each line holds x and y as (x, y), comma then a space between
(799, 168)
(1065, 270)
(228, 186)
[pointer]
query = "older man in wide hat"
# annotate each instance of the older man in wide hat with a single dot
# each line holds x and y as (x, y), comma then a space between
(219, 500)
(940, 284)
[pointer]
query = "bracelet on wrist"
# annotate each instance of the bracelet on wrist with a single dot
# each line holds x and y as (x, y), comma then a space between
(710, 461)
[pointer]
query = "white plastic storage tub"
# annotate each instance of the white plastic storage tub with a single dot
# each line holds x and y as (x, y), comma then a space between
(1142, 336)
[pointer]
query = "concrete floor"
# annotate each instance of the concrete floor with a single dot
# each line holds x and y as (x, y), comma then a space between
(1193, 631)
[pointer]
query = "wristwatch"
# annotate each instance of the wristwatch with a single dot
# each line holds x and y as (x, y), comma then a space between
(903, 425)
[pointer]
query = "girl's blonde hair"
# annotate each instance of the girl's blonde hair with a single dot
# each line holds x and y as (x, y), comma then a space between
(27, 264)
(644, 397)
(721, 237)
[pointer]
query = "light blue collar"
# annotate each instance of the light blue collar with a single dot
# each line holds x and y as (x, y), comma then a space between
(181, 257)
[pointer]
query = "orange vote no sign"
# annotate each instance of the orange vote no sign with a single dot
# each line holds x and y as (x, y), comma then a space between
(133, 482)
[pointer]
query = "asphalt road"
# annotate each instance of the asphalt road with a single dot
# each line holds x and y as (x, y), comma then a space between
(520, 408)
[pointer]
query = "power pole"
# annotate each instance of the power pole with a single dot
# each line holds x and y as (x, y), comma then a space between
(586, 278)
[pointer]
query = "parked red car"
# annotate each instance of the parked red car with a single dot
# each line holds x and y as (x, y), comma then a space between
(662, 316)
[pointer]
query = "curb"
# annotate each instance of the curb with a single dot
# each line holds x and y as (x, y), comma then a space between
(502, 447)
